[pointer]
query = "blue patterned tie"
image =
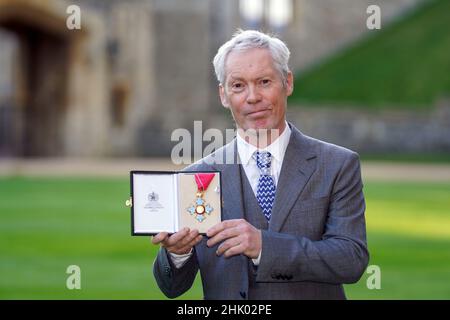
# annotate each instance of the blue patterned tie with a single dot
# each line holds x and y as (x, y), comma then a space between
(266, 185)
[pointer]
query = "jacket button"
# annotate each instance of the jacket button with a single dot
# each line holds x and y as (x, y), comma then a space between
(167, 270)
(243, 294)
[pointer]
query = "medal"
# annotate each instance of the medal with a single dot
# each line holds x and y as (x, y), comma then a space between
(200, 207)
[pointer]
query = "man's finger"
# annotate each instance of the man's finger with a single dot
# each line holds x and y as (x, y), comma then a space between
(159, 237)
(185, 240)
(197, 240)
(227, 245)
(234, 251)
(191, 244)
(221, 226)
(223, 235)
(176, 237)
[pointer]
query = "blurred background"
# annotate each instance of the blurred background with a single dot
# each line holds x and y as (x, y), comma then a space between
(81, 108)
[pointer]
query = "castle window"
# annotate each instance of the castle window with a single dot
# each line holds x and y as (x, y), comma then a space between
(119, 104)
(264, 14)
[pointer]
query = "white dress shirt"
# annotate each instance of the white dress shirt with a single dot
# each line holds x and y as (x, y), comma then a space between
(277, 149)
(246, 150)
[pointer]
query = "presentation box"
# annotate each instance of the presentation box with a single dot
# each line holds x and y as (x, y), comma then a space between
(169, 201)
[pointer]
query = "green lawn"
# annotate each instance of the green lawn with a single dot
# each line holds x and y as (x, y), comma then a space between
(49, 224)
(405, 65)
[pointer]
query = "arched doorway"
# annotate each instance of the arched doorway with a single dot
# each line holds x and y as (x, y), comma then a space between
(33, 110)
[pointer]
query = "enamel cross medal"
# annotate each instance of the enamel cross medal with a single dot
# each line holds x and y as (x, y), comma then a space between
(199, 208)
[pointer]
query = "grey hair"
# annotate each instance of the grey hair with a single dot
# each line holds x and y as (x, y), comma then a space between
(252, 39)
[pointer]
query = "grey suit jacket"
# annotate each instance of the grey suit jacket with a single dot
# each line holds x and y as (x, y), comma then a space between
(316, 240)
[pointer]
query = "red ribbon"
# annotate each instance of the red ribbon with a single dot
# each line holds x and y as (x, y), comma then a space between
(203, 180)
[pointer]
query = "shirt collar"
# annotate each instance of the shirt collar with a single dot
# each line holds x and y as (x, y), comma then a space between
(277, 148)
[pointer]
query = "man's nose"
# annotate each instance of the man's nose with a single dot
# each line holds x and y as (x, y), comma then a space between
(253, 95)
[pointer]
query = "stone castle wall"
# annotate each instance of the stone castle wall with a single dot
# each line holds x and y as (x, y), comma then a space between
(144, 69)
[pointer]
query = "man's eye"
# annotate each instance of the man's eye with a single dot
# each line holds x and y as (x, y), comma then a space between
(237, 86)
(265, 81)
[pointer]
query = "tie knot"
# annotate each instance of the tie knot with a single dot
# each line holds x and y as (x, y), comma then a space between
(263, 161)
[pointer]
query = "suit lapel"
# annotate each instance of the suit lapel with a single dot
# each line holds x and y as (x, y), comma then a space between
(298, 165)
(233, 205)
(232, 194)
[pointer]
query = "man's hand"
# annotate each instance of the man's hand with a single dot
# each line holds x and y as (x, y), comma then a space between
(180, 242)
(238, 237)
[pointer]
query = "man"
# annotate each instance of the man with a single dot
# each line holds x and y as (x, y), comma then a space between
(293, 212)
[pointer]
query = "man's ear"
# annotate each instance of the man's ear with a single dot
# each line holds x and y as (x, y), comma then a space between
(289, 83)
(223, 96)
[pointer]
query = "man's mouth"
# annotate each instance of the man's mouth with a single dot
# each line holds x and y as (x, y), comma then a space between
(258, 113)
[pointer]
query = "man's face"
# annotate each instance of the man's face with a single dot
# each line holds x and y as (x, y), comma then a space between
(254, 90)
